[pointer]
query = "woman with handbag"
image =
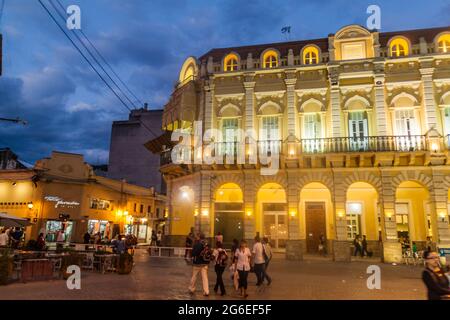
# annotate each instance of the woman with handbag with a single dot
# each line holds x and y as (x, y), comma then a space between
(434, 278)
(243, 261)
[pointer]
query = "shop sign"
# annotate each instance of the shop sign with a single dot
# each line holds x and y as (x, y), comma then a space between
(59, 202)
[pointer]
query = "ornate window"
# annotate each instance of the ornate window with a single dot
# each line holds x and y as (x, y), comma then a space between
(270, 59)
(444, 43)
(310, 55)
(231, 63)
(399, 47)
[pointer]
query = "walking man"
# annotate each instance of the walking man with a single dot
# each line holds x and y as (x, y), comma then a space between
(201, 256)
(258, 258)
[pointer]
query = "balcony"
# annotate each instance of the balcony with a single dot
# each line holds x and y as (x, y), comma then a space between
(345, 151)
(364, 144)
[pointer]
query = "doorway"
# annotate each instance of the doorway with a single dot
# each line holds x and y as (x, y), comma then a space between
(229, 221)
(275, 224)
(315, 225)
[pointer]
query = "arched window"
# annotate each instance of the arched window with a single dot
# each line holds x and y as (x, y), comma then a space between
(399, 47)
(270, 59)
(444, 43)
(310, 55)
(231, 62)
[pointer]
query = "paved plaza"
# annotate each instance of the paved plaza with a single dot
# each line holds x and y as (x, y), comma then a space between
(168, 278)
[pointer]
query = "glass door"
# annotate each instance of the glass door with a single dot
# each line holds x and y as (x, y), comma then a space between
(230, 128)
(275, 225)
(406, 130)
(312, 132)
(358, 130)
(270, 135)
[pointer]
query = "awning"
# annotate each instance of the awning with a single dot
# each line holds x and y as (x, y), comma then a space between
(9, 221)
(156, 145)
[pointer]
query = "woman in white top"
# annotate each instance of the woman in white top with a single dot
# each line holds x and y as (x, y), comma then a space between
(243, 260)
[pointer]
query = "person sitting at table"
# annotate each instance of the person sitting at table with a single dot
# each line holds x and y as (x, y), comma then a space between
(40, 242)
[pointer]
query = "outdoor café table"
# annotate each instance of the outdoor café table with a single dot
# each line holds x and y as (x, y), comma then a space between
(106, 261)
(36, 269)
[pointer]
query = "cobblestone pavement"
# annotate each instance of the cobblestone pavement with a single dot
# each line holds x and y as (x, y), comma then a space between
(168, 278)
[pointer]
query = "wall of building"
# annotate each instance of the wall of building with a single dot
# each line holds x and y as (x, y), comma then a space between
(128, 158)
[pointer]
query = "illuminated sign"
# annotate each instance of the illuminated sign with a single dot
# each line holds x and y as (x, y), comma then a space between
(59, 202)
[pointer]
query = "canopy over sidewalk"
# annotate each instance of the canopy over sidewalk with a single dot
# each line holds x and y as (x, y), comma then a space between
(7, 220)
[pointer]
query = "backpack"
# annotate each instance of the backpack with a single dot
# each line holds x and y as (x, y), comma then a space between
(206, 253)
(222, 258)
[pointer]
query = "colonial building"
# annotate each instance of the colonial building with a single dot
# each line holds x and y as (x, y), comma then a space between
(360, 120)
(63, 193)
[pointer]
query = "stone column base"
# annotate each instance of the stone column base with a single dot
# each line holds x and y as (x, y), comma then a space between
(341, 251)
(392, 252)
(294, 249)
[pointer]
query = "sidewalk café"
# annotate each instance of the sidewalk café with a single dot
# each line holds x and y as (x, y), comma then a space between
(25, 265)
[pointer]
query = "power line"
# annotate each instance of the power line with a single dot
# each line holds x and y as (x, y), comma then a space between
(90, 53)
(91, 65)
(2, 6)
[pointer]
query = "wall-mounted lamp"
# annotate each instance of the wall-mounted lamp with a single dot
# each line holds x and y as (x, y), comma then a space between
(341, 214)
(119, 213)
(442, 215)
(205, 212)
(293, 213)
(196, 213)
(389, 214)
(30, 205)
(249, 213)
(125, 213)
(434, 147)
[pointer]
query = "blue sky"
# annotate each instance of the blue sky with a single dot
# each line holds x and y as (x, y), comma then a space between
(46, 82)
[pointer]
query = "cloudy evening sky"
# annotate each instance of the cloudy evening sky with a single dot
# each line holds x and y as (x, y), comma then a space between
(46, 82)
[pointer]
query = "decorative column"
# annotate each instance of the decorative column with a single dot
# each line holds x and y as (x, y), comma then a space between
(427, 72)
(249, 86)
(335, 102)
(209, 105)
(249, 207)
(295, 246)
(439, 211)
(196, 187)
(392, 249)
(205, 207)
(380, 100)
(341, 245)
(290, 81)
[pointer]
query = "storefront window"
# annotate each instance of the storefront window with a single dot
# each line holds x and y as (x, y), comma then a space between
(142, 234)
(52, 228)
(101, 226)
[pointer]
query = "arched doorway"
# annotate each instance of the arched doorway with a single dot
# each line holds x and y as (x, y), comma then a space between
(413, 215)
(229, 213)
(316, 210)
(272, 208)
(362, 214)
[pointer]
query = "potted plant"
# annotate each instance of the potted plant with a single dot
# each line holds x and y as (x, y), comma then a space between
(6, 266)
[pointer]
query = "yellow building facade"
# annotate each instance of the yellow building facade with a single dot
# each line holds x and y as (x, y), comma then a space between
(63, 193)
(361, 123)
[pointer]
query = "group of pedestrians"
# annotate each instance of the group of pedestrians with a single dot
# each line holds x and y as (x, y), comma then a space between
(242, 262)
(11, 237)
(360, 245)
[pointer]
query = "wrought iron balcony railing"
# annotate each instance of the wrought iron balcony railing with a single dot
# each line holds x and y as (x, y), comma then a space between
(308, 146)
(364, 144)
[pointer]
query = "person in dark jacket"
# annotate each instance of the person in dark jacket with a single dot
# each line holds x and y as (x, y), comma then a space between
(201, 256)
(434, 278)
(40, 242)
(87, 237)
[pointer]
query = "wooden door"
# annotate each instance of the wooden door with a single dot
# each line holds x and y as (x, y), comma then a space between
(315, 225)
